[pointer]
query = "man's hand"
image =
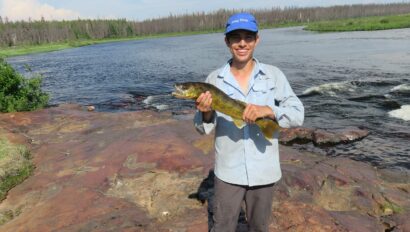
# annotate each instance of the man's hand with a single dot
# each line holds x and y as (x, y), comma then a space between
(203, 104)
(253, 112)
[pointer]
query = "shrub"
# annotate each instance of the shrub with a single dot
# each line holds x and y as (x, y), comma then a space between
(18, 93)
(384, 21)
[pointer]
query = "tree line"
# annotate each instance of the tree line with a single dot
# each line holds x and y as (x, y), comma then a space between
(42, 32)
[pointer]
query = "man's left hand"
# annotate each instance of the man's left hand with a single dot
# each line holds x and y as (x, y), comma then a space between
(253, 112)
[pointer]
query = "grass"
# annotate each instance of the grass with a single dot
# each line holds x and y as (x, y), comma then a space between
(392, 206)
(31, 49)
(15, 166)
(362, 24)
(351, 24)
(22, 50)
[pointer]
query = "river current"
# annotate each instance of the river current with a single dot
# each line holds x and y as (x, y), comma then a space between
(347, 79)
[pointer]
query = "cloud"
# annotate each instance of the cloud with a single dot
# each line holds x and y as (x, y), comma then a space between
(145, 9)
(25, 9)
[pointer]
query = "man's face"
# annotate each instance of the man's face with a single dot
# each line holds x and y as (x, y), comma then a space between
(242, 43)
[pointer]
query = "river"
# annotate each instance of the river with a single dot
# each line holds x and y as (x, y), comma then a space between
(346, 79)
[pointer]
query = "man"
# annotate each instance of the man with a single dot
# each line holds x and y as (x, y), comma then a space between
(246, 164)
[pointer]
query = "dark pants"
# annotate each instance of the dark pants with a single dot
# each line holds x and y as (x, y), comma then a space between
(227, 206)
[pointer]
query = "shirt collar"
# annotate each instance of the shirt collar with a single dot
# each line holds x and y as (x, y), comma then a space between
(259, 67)
(227, 76)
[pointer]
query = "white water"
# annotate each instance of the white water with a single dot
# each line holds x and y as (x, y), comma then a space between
(402, 113)
(330, 88)
(157, 102)
(403, 88)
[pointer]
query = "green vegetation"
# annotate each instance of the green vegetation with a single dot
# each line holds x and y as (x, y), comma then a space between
(24, 37)
(362, 24)
(390, 206)
(9, 214)
(31, 49)
(18, 93)
(22, 50)
(15, 166)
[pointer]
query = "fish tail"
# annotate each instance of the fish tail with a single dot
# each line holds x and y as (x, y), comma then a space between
(268, 127)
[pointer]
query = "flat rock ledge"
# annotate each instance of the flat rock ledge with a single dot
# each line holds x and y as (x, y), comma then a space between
(150, 171)
(320, 137)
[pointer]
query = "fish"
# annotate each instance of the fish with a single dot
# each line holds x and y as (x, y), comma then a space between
(223, 103)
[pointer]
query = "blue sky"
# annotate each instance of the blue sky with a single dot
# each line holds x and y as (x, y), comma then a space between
(144, 9)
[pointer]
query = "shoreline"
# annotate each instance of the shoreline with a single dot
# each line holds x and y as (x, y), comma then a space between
(34, 49)
(373, 23)
(342, 25)
(43, 48)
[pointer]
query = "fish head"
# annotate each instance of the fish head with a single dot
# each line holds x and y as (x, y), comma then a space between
(187, 90)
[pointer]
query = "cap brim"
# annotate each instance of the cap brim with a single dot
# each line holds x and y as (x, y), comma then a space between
(240, 27)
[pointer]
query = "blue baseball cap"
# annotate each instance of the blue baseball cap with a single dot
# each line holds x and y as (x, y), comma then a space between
(243, 21)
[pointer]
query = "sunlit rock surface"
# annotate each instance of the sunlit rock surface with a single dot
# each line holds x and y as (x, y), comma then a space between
(321, 137)
(149, 171)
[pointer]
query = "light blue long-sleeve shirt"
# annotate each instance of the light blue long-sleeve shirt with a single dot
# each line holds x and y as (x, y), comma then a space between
(244, 156)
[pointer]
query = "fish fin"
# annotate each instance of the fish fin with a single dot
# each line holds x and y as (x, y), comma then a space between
(268, 127)
(239, 123)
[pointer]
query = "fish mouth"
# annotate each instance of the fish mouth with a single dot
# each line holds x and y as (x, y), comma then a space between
(177, 95)
(179, 92)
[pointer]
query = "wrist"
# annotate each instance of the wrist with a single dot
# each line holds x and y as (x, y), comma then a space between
(207, 116)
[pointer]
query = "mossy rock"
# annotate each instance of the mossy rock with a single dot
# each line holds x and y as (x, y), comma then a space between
(15, 166)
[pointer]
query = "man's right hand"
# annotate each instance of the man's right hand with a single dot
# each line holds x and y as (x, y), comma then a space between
(203, 104)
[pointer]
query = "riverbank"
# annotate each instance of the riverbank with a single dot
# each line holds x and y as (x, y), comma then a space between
(361, 24)
(352, 24)
(32, 49)
(151, 171)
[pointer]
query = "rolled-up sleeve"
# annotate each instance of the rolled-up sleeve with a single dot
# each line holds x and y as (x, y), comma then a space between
(204, 127)
(288, 109)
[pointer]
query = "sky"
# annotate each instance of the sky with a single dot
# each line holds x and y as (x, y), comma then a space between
(145, 9)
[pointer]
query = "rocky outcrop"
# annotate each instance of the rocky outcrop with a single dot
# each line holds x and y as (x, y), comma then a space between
(321, 137)
(150, 171)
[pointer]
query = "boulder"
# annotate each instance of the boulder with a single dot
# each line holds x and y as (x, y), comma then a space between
(320, 137)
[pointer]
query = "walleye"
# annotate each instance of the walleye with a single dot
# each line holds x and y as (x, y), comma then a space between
(224, 104)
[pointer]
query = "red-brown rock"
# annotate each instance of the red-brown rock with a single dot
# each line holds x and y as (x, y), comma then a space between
(149, 171)
(321, 137)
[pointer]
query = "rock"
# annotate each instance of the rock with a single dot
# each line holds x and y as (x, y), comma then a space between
(90, 108)
(296, 135)
(301, 217)
(321, 137)
(401, 222)
(355, 221)
(151, 171)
